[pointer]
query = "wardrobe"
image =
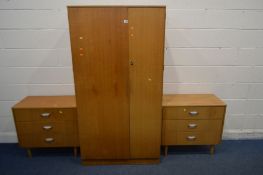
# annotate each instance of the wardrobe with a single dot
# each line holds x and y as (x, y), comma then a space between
(117, 55)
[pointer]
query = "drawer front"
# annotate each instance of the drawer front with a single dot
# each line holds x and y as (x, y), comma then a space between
(192, 125)
(197, 138)
(48, 140)
(44, 114)
(45, 127)
(176, 132)
(47, 134)
(193, 113)
(191, 138)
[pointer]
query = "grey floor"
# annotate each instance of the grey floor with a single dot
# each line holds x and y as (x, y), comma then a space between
(243, 157)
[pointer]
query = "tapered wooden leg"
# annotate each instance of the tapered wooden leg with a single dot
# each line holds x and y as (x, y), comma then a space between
(212, 149)
(75, 151)
(165, 150)
(29, 153)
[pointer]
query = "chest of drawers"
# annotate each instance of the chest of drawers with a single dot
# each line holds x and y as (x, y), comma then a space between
(46, 121)
(190, 119)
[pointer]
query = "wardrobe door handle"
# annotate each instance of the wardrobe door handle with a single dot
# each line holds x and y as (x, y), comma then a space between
(191, 138)
(193, 113)
(45, 114)
(49, 140)
(192, 125)
(47, 127)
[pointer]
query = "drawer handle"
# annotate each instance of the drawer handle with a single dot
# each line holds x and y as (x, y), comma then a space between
(193, 113)
(45, 114)
(192, 125)
(49, 140)
(47, 127)
(191, 138)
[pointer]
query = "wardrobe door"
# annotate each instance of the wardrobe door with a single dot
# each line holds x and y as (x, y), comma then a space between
(146, 51)
(99, 43)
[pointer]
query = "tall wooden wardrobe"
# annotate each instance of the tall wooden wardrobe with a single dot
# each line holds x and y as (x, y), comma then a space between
(117, 54)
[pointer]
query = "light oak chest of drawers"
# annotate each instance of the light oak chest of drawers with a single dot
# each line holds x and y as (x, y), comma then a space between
(46, 121)
(190, 119)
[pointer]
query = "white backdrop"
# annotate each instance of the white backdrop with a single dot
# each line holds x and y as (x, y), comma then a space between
(212, 46)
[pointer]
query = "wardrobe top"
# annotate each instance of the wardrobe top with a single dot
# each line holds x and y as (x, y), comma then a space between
(114, 6)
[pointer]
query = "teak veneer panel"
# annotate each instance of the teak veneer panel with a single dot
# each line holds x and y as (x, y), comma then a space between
(116, 6)
(202, 138)
(67, 127)
(204, 112)
(192, 119)
(46, 121)
(183, 125)
(38, 141)
(101, 81)
(192, 100)
(146, 50)
(117, 54)
(47, 102)
(34, 114)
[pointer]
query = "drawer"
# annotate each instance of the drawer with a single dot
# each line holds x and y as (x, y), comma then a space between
(192, 113)
(173, 131)
(48, 140)
(197, 138)
(192, 125)
(191, 138)
(45, 127)
(63, 114)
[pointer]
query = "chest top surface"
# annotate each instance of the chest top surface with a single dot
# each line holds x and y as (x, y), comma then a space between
(191, 100)
(47, 102)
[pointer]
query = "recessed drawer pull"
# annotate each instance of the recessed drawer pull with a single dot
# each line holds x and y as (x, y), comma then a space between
(45, 114)
(47, 127)
(193, 113)
(192, 125)
(191, 137)
(49, 140)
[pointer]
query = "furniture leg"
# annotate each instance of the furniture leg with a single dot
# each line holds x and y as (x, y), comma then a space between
(29, 153)
(75, 151)
(165, 150)
(212, 149)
